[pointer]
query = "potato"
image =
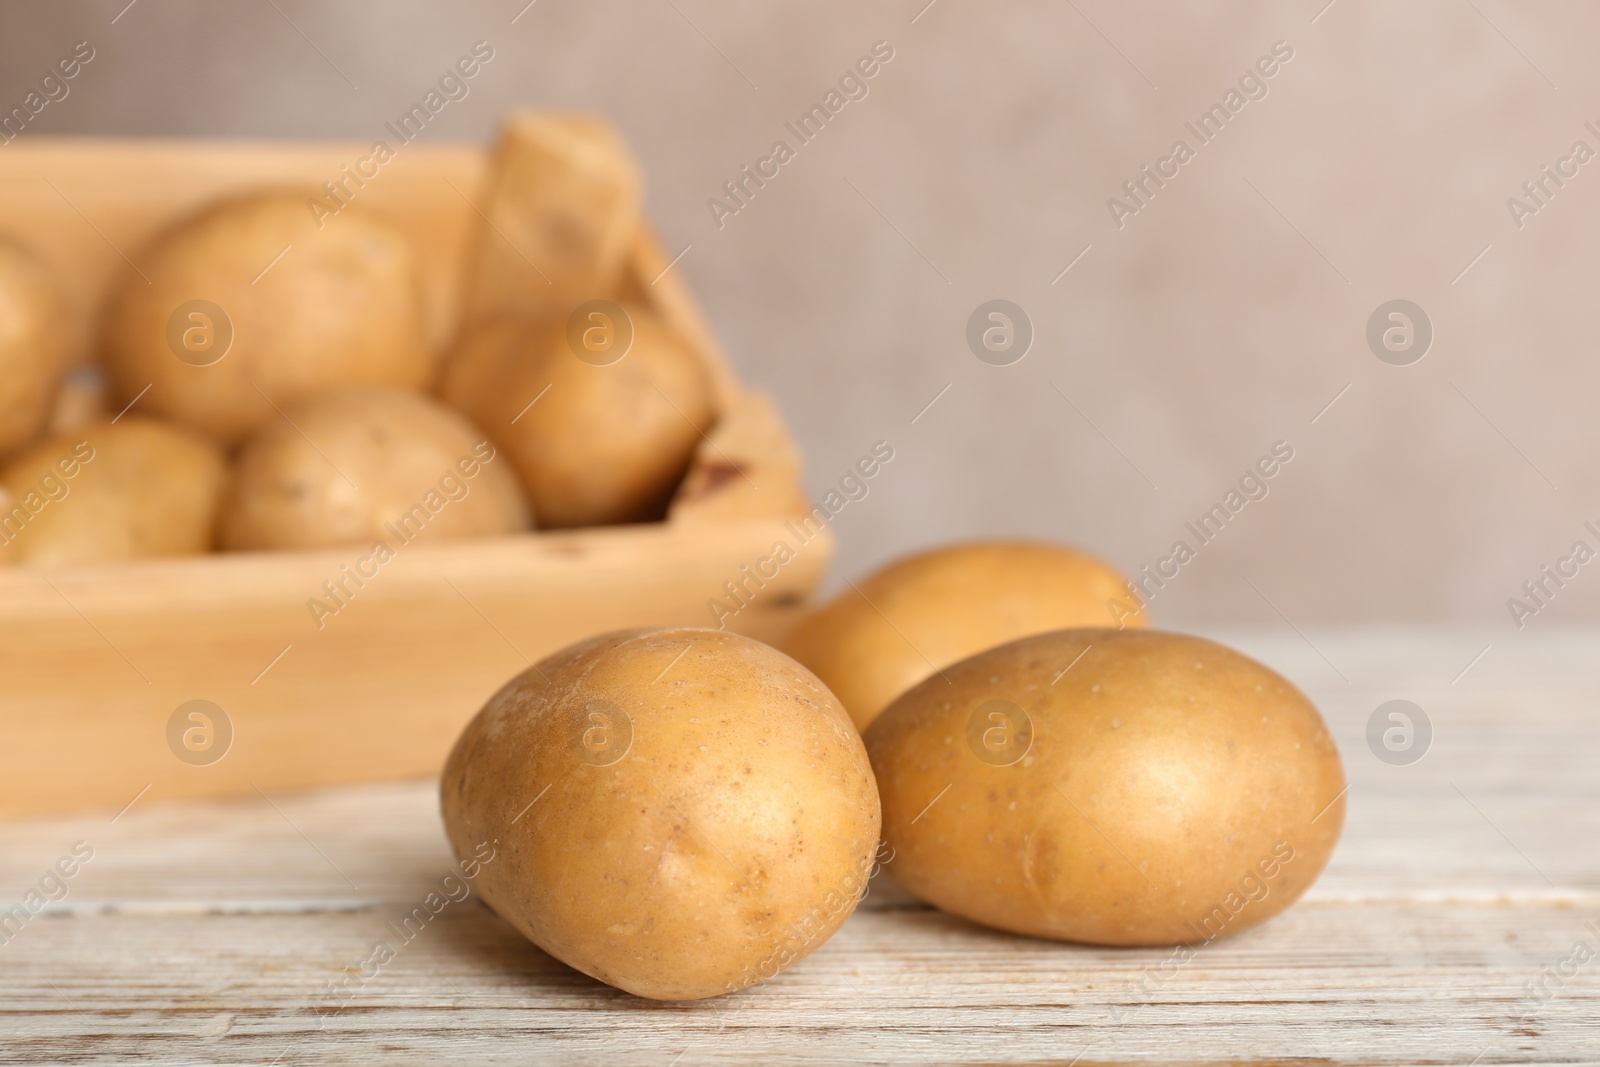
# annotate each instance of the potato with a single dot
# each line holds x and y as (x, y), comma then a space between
(677, 812)
(1159, 789)
(895, 627)
(225, 329)
(116, 491)
(596, 441)
(35, 334)
(560, 214)
(367, 465)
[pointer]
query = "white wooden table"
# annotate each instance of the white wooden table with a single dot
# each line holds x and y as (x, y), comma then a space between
(209, 932)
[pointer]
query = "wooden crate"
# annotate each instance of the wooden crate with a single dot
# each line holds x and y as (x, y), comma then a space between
(95, 660)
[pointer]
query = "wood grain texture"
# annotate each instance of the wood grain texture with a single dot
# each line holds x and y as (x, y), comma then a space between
(210, 932)
(93, 660)
(96, 659)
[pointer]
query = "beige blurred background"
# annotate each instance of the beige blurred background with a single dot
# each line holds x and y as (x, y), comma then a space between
(1221, 318)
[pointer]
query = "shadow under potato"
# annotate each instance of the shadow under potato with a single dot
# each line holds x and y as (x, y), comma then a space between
(504, 967)
(468, 952)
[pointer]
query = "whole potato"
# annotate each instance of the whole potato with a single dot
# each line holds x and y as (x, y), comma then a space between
(677, 812)
(595, 442)
(559, 212)
(364, 465)
(116, 491)
(225, 329)
(898, 625)
(1121, 787)
(34, 341)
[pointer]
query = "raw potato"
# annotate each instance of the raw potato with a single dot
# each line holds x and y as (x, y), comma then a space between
(135, 488)
(880, 637)
(342, 306)
(599, 444)
(562, 211)
(35, 329)
(369, 465)
(1163, 789)
(677, 812)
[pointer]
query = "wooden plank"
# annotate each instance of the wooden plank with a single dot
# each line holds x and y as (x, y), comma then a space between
(96, 659)
(1392, 984)
(209, 932)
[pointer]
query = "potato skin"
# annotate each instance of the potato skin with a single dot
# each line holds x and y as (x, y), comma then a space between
(139, 487)
(562, 191)
(733, 834)
(605, 444)
(1174, 790)
(398, 450)
(34, 340)
(344, 306)
(877, 639)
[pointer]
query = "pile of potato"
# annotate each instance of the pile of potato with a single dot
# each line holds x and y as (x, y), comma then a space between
(684, 812)
(272, 384)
